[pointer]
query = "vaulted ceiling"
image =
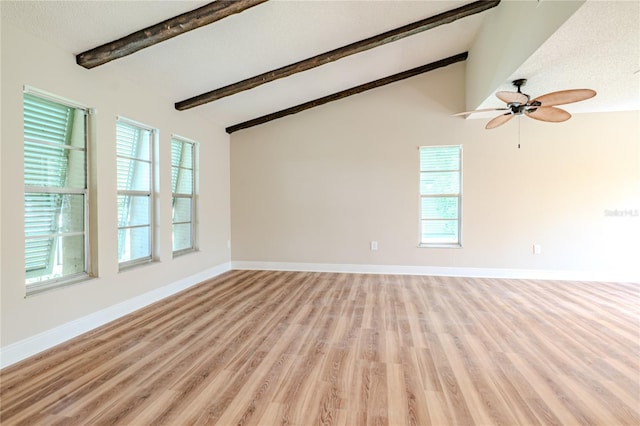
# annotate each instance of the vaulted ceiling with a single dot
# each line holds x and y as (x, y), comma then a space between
(596, 47)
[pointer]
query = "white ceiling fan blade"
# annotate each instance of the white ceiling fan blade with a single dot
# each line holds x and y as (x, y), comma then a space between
(499, 121)
(479, 110)
(551, 114)
(565, 97)
(512, 97)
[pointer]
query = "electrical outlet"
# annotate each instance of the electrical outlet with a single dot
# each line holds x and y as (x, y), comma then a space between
(374, 245)
(537, 249)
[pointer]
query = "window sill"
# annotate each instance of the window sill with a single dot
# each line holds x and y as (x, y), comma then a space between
(42, 287)
(132, 264)
(179, 253)
(435, 245)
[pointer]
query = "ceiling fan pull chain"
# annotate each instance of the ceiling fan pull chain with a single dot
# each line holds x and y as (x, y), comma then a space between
(519, 121)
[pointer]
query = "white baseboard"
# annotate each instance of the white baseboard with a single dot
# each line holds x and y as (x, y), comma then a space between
(538, 274)
(22, 349)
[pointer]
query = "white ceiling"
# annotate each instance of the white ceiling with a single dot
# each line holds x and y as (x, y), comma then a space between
(599, 47)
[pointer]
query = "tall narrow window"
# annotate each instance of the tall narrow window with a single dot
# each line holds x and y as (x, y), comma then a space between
(55, 194)
(440, 195)
(135, 192)
(183, 160)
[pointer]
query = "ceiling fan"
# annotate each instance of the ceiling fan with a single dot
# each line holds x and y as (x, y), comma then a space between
(541, 108)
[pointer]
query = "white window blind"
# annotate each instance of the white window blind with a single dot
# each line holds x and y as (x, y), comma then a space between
(55, 191)
(183, 191)
(440, 195)
(134, 145)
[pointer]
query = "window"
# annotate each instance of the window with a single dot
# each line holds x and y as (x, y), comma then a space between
(183, 191)
(55, 191)
(134, 144)
(440, 195)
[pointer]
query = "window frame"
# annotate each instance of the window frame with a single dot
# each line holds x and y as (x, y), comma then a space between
(194, 170)
(151, 193)
(458, 195)
(35, 287)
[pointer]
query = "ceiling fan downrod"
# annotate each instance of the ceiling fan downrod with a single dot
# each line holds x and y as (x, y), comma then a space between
(519, 83)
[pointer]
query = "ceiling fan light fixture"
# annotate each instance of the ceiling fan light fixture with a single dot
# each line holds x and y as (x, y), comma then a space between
(542, 108)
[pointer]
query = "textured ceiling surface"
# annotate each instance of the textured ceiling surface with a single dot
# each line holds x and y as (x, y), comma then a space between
(598, 48)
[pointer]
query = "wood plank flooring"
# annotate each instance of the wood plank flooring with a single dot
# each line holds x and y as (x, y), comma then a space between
(297, 348)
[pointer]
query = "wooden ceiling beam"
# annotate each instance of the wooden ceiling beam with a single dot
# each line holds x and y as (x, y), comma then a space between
(162, 31)
(341, 52)
(348, 92)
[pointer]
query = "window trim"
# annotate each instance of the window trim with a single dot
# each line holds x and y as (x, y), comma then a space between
(194, 171)
(155, 133)
(55, 98)
(88, 273)
(454, 245)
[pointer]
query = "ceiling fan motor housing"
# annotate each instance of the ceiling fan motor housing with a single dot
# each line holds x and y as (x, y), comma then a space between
(518, 108)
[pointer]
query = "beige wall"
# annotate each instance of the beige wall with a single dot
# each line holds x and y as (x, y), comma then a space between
(30, 61)
(317, 187)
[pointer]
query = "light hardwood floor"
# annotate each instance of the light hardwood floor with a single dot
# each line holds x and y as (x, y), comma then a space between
(295, 348)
